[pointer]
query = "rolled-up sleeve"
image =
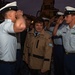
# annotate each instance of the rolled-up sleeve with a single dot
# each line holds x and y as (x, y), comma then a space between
(59, 32)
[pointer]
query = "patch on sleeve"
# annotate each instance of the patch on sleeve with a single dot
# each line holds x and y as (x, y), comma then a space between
(50, 44)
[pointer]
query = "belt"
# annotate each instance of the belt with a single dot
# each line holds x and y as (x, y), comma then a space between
(37, 56)
(69, 53)
(2, 61)
(57, 45)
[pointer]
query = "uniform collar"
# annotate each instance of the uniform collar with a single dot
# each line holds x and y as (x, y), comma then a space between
(69, 27)
(32, 32)
(9, 20)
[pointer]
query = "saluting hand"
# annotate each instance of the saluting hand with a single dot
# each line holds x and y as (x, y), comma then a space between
(20, 23)
(19, 13)
(59, 21)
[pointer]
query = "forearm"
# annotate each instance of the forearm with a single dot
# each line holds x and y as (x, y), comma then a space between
(55, 29)
(20, 24)
(59, 21)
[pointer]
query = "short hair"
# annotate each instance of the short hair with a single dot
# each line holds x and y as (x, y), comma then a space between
(39, 20)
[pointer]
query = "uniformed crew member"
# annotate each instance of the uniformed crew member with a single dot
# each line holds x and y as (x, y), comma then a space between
(58, 50)
(46, 23)
(68, 34)
(12, 24)
(38, 49)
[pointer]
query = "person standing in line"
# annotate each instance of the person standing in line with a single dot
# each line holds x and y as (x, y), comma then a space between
(38, 49)
(13, 23)
(58, 49)
(68, 35)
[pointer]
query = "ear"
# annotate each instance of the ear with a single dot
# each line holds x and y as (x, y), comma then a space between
(8, 14)
(73, 16)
